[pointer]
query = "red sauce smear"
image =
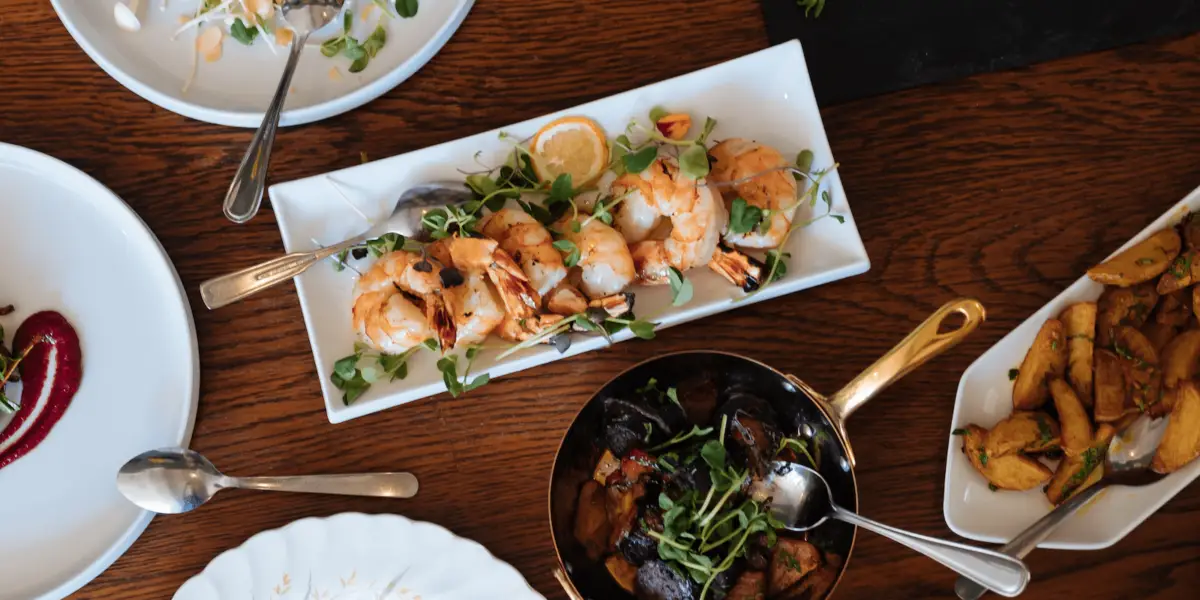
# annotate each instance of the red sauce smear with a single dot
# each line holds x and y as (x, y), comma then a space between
(60, 346)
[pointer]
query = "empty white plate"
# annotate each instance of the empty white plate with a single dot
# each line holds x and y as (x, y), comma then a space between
(72, 246)
(356, 556)
(236, 89)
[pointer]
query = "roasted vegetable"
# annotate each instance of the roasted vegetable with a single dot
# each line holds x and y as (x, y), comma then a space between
(1076, 428)
(1075, 473)
(1047, 357)
(1130, 344)
(1123, 306)
(1191, 230)
(1012, 472)
(656, 580)
(607, 465)
(1142, 262)
(791, 561)
(1031, 432)
(630, 424)
(1179, 358)
(1158, 334)
(1079, 323)
(1184, 271)
(751, 422)
(1175, 307)
(1110, 387)
(622, 572)
(1181, 441)
(751, 585)
(591, 521)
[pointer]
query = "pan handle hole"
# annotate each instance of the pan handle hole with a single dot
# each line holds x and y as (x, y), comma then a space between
(953, 322)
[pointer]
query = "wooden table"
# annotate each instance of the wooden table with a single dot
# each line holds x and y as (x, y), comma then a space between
(1004, 187)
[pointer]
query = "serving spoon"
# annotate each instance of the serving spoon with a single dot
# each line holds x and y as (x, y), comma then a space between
(1127, 463)
(245, 192)
(176, 480)
(404, 220)
(801, 499)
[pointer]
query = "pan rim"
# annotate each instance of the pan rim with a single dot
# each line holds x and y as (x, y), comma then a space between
(818, 402)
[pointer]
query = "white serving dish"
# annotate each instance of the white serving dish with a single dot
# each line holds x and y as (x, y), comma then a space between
(71, 245)
(765, 96)
(237, 89)
(351, 556)
(985, 397)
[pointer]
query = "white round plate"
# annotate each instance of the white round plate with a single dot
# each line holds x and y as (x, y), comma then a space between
(353, 556)
(237, 89)
(69, 244)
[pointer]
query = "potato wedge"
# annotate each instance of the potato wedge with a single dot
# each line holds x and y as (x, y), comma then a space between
(1181, 441)
(591, 520)
(1143, 385)
(1191, 230)
(1174, 308)
(1179, 358)
(1142, 262)
(607, 465)
(1076, 473)
(791, 560)
(1166, 402)
(624, 573)
(1011, 472)
(1184, 271)
(1075, 426)
(1158, 334)
(1022, 431)
(1131, 344)
(1047, 357)
(1079, 322)
(1196, 300)
(1123, 306)
(1110, 387)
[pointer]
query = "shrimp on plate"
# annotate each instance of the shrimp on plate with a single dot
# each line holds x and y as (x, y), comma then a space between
(697, 218)
(482, 287)
(398, 304)
(605, 264)
(756, 173)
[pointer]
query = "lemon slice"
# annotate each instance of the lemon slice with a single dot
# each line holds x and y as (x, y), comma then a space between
(575, 146)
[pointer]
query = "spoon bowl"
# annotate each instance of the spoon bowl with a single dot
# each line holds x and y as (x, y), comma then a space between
(801, 499)
(176, 480)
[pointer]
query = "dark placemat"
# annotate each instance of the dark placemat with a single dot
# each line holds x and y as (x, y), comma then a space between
(860, 48)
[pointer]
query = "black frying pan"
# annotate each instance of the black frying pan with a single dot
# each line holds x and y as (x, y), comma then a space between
(801, 410)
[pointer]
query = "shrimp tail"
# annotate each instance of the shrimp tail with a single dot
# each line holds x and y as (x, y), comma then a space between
(441, 319)
(519, 330)
(565, 299)
(650, 261)
(616, 305)
(521, 301)
(739, 268)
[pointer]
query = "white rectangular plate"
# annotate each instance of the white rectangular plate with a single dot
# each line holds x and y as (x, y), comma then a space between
(985, 397)
(764, 96)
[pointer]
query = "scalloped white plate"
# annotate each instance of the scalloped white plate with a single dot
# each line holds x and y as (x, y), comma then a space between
(985, 397)
(355, 556)
(236, 89)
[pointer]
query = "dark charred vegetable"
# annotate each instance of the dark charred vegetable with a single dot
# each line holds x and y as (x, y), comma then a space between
(656, 580)
(633, 424)
(752, 424)
(591, 521)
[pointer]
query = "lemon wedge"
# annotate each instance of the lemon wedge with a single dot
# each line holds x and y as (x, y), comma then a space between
(574, 146)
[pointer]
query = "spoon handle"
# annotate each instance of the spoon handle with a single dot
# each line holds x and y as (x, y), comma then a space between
(1027, 540)
(1005, 574)
(379, 485)
(246, 191)
(231, 287)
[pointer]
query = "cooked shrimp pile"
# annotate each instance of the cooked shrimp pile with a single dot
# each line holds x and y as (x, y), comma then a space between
(516, 274)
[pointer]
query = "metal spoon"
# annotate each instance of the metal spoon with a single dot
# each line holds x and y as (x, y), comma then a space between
(800, 498)
(245, 193)
(176, 480)
(1127, 463)
(405, 220)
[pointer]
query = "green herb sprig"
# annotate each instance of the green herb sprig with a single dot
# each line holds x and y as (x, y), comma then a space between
(448, 365)
(355, 373)
(360, 53)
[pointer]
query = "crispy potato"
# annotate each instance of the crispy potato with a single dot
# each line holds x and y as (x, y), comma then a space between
(1179, 358)
(607, 465)
(1166, 402)
(791, 560)
(1142, 262)
(1110, 387)
(1079, 321)
(1158, 334)
(1022, 431)
(1191, 230)
(1123, 306)
(1076, 428)
(1184, 271)
(1047, 357)
(1196, 299)
(1011, 472)
(1131, 344)
(751, 585)
(1143, 385)
(1076, 473)
(624, 573)
(1175, 308)
(591, 520)
(1181, 441)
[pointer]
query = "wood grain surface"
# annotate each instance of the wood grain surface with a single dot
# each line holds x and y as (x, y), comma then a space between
(1004, 187)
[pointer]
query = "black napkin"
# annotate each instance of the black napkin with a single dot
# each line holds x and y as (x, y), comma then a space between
(860, 48)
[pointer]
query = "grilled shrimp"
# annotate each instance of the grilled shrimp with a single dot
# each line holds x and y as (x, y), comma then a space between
(638, 213)
(397, 304)
(697, 219)
(520, 299)
(606, 266)
(481, 286)
(738, 158)
(530, 244)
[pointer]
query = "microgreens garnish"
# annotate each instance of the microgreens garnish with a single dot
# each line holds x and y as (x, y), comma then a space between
(375, 247)
(448, 365)
(8, 370)
(681, 288)
(583, 321)
(813, 6)
(570, 249)
(354, 374)
(799, 447)
(360, 53)
(408, 8)
(242, 33)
